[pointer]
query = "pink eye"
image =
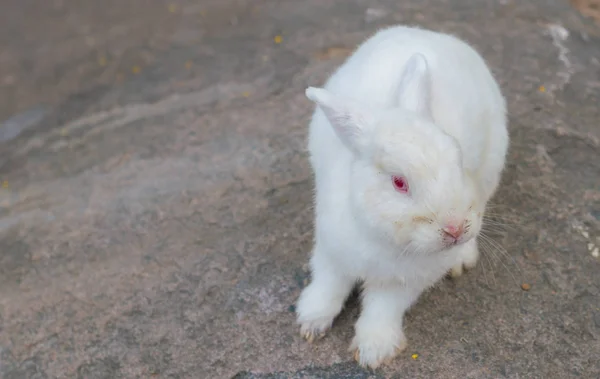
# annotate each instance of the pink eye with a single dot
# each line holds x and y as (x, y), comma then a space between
(400, 184)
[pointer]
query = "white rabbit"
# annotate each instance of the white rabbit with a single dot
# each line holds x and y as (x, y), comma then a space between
(408, 142)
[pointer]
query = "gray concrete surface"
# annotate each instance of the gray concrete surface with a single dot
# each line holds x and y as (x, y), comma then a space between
(155, 198)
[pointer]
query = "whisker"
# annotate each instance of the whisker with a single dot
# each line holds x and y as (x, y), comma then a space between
(491, 271)
(493, 245)
(492, 257)
(494, 228)
(504, 216)
(498, 247)
(498, 206)
(493, 217)
(489, 249)
(406, 249)
(429, 207)
(500, 212)
(500, 221)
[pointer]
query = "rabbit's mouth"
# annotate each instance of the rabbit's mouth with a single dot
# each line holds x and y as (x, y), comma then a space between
(450, 241)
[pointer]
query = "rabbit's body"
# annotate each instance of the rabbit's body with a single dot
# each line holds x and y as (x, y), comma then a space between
(423, 109)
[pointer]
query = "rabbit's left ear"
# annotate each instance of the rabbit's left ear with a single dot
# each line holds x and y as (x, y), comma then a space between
(350, 120)
(414, 90)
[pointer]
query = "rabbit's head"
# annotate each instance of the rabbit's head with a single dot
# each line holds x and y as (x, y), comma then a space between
(406, 181)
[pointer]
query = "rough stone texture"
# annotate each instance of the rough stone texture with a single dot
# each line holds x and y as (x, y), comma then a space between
(155, 206)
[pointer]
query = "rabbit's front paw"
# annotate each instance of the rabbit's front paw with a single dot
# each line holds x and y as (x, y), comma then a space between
(469, 255)
(379, 345)
(316, 310)
(315, 330)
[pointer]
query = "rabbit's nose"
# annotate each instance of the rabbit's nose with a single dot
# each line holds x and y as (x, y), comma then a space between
(453, 231)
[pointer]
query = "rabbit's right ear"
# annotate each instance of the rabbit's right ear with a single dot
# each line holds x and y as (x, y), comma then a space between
(414, 90)
(349, 119)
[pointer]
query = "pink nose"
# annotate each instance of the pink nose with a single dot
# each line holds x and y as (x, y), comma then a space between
(453, 231)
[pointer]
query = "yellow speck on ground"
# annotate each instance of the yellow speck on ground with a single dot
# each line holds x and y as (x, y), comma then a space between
(525, 287)
(542, 89)
(136, 69)
(278, 39)
(245, 93)
(5, 184)
(188, 64)
(173, 8)
(102, 61)
(64, 132)
(415, 356)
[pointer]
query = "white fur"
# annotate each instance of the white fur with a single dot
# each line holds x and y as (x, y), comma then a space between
(408, 102)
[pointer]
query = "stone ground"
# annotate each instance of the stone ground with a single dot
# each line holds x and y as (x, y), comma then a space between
(155, 206)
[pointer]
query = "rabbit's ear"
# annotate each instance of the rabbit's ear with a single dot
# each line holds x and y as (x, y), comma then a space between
(414, 90)
(349, 119)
